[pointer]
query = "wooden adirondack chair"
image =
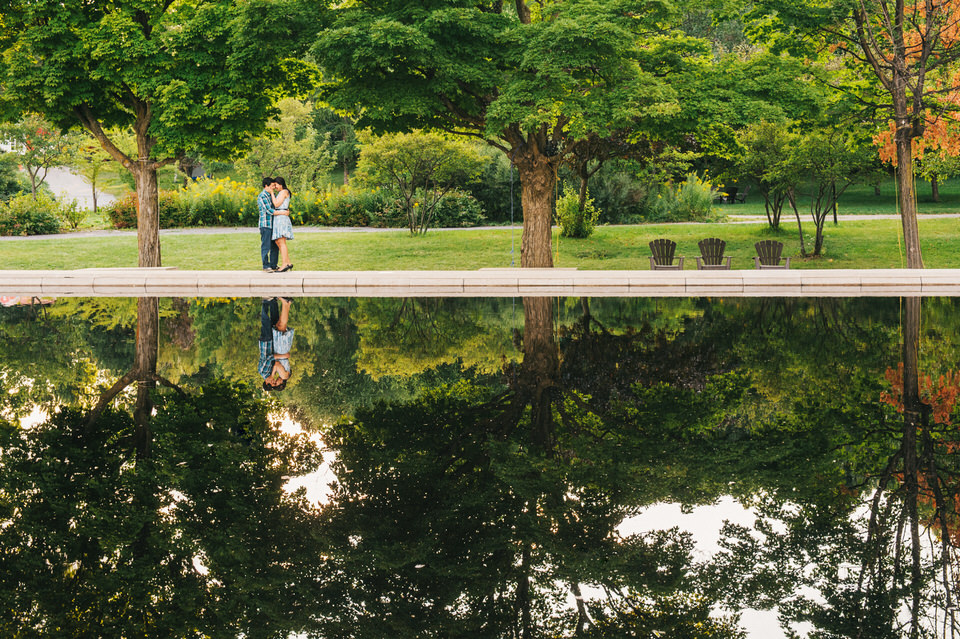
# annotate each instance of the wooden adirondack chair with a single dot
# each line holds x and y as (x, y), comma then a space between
(662, 258)
(711, 255)
(768, 255)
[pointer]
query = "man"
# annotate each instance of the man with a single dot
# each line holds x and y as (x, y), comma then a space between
(269, 251)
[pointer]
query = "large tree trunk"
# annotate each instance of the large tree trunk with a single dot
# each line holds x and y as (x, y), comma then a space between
(907, 197)
(148, 216)
(538, 179)
(540, 369)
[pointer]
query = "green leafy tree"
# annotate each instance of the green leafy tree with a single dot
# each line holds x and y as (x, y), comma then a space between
(532, 80)
(290, 148)
(828, 161)
(90, 160)
(938, 166)
(905, 50)
(765, 151)
(191, 541)
(421, 167)
(181, 75)
(10, 182)
(37, 145)
(343, 137)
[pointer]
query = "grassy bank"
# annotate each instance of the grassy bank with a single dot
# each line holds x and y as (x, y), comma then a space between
(851, 244)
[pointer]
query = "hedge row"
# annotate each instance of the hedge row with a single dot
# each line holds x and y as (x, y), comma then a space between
(211, 202)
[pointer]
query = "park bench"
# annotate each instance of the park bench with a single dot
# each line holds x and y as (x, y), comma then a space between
(768, 255)
(711, 255)
(662, 256)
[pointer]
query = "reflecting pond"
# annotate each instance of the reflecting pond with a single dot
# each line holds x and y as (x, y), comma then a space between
(534, 467)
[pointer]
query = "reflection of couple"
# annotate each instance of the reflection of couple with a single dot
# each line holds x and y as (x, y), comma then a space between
(275, 226)
(276, 341)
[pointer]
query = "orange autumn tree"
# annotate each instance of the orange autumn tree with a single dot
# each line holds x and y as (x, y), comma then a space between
(908, 49)
(937, 151)
(935, 489)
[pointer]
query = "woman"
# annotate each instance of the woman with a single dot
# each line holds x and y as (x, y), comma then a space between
(282, 227)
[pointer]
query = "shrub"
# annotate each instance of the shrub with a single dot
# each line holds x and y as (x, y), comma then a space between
(457, 209)
(72, 213)
(218, 202)
(122, 213)
(692, 201)
(574, 222)
(22, 215)
(355, 207)
(205, 202)
(621, 197)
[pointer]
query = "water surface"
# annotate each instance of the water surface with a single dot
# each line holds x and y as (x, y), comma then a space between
(480, 468)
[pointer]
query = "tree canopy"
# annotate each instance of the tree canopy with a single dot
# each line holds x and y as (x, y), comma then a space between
(182, 75)
(531, 80)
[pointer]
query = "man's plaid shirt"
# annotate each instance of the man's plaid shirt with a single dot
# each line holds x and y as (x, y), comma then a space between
(265, 204)
(265, 365)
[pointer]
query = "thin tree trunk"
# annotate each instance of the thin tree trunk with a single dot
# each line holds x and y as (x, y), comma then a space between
(912, 411)
(791, 196)
(582, 200)
(908, 200)
(833, 195)
(935, 188)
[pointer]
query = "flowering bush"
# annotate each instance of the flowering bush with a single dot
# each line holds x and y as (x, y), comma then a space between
(692, 201)
(72, 213)
(218, 202)
(22, 215)
(225, 202)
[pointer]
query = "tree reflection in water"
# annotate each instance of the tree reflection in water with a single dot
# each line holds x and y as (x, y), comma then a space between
(166, 517)
(876, 557)
(478, 502)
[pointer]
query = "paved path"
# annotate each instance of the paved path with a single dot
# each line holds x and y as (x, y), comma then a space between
(732, 219)
(62, 181)
(502, 282)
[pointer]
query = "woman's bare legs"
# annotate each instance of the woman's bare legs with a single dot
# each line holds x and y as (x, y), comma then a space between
(284, 254)
(281, 324)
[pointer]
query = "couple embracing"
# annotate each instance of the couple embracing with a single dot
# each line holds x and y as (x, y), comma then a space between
(275, 226)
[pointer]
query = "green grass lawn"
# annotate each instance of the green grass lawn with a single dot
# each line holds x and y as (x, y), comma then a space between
(851, 244)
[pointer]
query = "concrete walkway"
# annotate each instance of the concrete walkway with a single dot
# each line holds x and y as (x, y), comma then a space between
(507, 282)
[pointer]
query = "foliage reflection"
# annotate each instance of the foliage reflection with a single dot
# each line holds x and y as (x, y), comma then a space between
(489, 457)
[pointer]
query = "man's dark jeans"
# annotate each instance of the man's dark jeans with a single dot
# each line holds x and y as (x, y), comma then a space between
(269, 252)
(269, 315)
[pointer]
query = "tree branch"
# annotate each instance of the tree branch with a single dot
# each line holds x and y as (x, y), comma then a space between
(91, 124)
(108, 396)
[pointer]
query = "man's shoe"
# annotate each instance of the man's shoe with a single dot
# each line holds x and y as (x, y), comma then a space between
(269, 270)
